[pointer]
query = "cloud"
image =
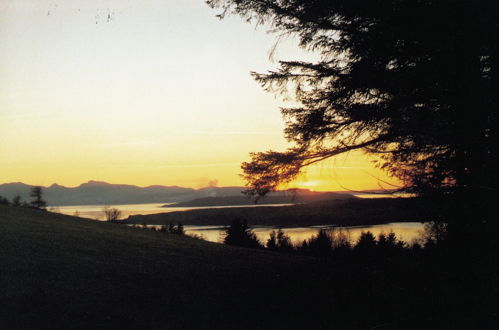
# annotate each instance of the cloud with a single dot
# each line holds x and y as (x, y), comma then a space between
(213, 183)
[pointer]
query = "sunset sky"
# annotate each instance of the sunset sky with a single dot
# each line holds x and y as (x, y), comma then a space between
(142, 92)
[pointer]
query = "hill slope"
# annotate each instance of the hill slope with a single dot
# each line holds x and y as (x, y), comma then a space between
(59, 271)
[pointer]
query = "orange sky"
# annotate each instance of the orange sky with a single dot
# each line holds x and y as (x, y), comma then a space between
(142, 92)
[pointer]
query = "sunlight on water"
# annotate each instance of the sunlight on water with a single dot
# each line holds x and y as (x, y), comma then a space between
(380, 195)
(407, 231)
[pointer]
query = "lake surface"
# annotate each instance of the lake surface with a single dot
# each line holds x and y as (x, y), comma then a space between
(408, 231)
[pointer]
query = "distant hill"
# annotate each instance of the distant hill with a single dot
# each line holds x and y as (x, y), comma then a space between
(284, 197)
(102, 193)
(343, 212)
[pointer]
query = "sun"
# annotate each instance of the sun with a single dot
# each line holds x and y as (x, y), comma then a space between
(310, 184)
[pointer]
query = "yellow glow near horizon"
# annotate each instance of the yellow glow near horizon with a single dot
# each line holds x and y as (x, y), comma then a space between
(141, 92)
(353, 171)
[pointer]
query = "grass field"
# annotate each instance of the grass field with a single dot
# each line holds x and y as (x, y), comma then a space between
(58, 271)
(61, 272)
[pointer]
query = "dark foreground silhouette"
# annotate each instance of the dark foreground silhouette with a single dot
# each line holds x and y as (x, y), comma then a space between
(63, 272)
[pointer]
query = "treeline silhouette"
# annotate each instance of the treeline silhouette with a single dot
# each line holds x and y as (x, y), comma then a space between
(177, 229)
(431, 282)
(333, 242)
(37, 201)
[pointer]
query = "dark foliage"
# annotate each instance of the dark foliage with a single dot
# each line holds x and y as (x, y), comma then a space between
(414, 82)
(240, 233)
(382, 250)
(112, 214)
(326, 243)
(280, 242)
(336, 243)
(366, 242)
(172, 229)
(320, 244)
(179, 229)
(4, 201)
(37, 202)
(389, 242)
(16, 201)
(435, 232)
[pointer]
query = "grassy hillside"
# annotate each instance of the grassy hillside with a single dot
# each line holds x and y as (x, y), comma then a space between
(60, 271)
(349, 211)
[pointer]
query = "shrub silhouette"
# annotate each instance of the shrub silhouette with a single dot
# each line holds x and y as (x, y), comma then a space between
(341, 238)
(365, 242)
(37, 202)
(240, 233)
(389, 242)
(279, 242)
(172, 229)
(326, 242)
(384, 248)
(320, 244)
(272, 241)
(112, 214)
(4, 201)
(435, 232)
(179, 229)
(16, 201)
